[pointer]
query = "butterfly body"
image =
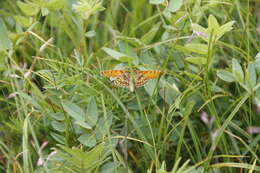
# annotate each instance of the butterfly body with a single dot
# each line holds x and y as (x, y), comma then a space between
(131, 79)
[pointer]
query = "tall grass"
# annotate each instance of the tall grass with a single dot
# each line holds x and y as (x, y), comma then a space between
(58, 114)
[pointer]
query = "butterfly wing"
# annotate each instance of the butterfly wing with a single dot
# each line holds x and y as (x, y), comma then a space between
(123, 80)
(112, 73)
(140, 79)
(150, 74)
(122, 77)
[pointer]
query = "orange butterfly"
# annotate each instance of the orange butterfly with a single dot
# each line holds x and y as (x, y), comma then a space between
(131, 79)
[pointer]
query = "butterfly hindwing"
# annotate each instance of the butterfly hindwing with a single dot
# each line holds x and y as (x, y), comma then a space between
(140, 79)
(123, 80)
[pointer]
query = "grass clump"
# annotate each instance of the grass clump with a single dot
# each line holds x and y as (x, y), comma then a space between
(58, 114)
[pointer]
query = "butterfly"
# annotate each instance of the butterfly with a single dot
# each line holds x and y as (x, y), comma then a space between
(131, 79)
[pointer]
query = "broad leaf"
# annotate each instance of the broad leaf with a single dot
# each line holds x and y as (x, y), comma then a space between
(150, 87)
(74, 111)
(57, 137)
(88, 140)
(92, 112)
(83, 124)
(250, 76)
(237, 71)
(213, 26)
(103, 126)
(23, 21)
(5, 42)
(90, 34)
(225, 75)
(57, 116)
(55, 4)
(77, 158)
(197, 48)
(225, 28)
(197, 60)
(257, 63)
(58, 126)
(156, 1)
(28, 8)
(149, 36)
(110, 167)
(174, 5)
(169, 92)
(30, 99)
(117, 55)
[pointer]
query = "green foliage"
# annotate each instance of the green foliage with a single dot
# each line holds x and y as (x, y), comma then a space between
(68, 159)
(5, 42)
(58, 114)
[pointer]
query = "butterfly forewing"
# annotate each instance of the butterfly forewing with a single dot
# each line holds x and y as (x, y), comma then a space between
(150, 74)
(113, 73)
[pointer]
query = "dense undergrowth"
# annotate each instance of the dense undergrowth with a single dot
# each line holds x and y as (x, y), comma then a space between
(58, 114)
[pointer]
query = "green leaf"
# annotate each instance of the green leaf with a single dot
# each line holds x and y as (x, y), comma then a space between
(199, 28)
(90, 34)
(23, 21)
(92, 112)
(197, 60)
(212, 24)
(197, 48)
(161, 171)
(60, 139)
(257, 63)
(57, 116)
(174, 5)
(88, 140)
(237, 71)
(55, 5)
(58, 126)
(225, 28)
(257, 55)
(193, 76)
(30, 99)
(44, 11)
(74, 111)
(187, 109)
(250, 76)
(117, 55)
(133, 105)
(200, 31)
(156, 1)
(110, 167)
(103, 126)
(198, 170)
(169, 92)
(83, 124)
(225, 75)
(78, 158)
(28, 8)
(132, 40)
(257, 97)
(149, 36)
(5, 42)
(150, 87)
